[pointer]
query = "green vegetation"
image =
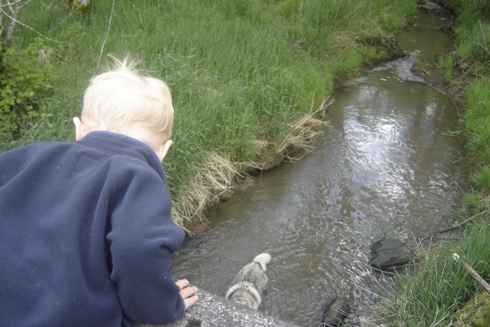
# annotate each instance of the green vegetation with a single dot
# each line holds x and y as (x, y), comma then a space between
(433, 291)
(241, 72)
(429, 294)
(22, 81)
(477, 123)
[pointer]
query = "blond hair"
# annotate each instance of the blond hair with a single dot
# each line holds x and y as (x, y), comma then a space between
(126, 102)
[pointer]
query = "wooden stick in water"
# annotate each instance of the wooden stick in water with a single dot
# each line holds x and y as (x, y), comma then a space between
(473, 273)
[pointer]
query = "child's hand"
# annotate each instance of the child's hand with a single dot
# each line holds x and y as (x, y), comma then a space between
(187, 292)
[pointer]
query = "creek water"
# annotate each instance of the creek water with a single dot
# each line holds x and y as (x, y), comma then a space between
(386, 164)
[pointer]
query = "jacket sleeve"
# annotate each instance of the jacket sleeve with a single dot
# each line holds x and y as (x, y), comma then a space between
(141, 238)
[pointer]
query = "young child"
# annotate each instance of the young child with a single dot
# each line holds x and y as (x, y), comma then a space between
(86, 231)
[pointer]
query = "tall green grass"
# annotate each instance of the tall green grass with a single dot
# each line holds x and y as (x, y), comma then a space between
(473, 33)
(477, 128)
(240, 71)
(473, 38)
(477, 120)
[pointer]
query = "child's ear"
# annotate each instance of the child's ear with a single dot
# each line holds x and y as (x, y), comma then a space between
(163, 149)
(79, 129)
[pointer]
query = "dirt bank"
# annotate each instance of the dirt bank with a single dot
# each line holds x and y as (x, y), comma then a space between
(454, 88)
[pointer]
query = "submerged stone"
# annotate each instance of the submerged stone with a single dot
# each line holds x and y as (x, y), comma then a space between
(389, 253)
(335, 312)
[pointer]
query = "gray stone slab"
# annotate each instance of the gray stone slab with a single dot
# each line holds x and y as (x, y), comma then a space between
(216, 311)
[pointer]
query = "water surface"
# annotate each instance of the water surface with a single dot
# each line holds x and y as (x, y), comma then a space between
(385, 165)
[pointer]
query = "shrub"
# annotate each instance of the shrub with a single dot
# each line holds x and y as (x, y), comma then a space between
(23, 79)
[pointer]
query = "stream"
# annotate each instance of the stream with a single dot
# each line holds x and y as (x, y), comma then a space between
(385, 166)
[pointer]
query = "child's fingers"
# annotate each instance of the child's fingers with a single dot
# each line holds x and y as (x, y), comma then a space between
(182, 283)
(189, 302)
(188, 293)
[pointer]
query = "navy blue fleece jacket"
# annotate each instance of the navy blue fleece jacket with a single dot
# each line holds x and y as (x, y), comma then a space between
(86, 235)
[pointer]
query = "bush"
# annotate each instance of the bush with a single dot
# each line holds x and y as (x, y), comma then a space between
(23, 79)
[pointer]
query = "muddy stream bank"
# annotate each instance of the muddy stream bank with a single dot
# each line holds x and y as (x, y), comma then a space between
(386, 164)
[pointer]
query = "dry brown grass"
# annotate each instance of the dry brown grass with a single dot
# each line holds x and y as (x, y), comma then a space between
(218, 175)
(303, 131)
(214, 177)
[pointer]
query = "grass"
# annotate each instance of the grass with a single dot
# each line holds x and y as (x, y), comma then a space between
(446, 63)
(241, 72)
(477, 121)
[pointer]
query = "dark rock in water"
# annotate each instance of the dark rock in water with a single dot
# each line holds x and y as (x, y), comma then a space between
(336, 311)
(269, 160)
(389, 253)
